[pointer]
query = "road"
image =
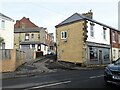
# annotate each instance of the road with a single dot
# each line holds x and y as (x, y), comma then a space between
(90, 78)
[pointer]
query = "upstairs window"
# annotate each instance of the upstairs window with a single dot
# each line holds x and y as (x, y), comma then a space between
(63, 34)
(91, 30)
(113, 36)
(104, 34)
(32, 35)
(2, 24)
(38, 36)
(26, 37)
(119, 38)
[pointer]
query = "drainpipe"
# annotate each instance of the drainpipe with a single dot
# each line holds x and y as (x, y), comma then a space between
(111, 45)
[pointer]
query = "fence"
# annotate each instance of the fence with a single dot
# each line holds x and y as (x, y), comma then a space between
(11, 59)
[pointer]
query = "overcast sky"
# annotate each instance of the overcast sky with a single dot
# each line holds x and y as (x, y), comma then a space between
(48, 13)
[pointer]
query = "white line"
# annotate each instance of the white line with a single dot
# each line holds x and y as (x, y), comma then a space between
(53, 84)
(96, 76)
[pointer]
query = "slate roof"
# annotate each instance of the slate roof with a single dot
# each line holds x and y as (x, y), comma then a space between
(78, 17)
(33, 29)
(6, 17)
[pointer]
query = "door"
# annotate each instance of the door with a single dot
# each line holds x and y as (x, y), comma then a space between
(100, 57)
(3, 45)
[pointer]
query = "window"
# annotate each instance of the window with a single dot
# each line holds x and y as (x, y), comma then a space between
(26, 37)
(114, 53)
(119, 38)
(39, 47)
(38, 36)
(3, 45)
(113, 36)
(104, 34)
(33, 46)
(63, 34)
(93, 53)
(32, 35)
(45, 48)
(91, 31)
(106, 53)
(119, 53)
(3, 24)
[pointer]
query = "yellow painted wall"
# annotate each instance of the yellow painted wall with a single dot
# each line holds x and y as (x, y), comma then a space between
(72, 50)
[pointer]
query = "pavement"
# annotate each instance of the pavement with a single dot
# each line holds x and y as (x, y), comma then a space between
(43, 65)
(29, 68)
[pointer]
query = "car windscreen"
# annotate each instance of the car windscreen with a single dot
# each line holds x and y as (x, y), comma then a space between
(118, 61)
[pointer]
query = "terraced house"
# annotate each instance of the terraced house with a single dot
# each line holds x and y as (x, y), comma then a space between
(29, 36)
(115, 44)
(81, 39)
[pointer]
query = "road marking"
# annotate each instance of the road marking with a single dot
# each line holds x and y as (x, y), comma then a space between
(96, 76)
(53, 84)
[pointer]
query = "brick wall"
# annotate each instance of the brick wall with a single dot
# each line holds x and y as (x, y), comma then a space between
(24, 21)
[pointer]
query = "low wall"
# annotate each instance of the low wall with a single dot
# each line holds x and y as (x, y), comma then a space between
(11, 59)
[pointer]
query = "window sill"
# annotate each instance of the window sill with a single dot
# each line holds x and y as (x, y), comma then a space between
(92, 37)
(63, 38)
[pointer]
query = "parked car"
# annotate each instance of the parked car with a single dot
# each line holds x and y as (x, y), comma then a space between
(112, 73)
(50, 52)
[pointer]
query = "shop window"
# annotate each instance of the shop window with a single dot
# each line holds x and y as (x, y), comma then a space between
(106, 54)
(114, 53)
(93, 53)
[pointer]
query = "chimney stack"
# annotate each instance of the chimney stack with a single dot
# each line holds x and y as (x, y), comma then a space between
(89, 14)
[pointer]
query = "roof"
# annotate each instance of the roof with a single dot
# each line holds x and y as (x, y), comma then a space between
(6, 17)
(74, 17)
(24, 30)
(26, 21)
(78, 17)
(31, 42)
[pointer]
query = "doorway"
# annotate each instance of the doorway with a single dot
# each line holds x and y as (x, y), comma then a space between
(100, 57)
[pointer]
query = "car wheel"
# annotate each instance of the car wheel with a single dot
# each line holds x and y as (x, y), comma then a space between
(107, 83)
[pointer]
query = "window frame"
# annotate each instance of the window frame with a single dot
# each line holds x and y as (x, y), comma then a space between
(93, 53)
(113, 36)
(32, 35)
(63, 35)
(119, 38)
(91, 30)
(27, 35)
(3, 24)
(104, 34)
